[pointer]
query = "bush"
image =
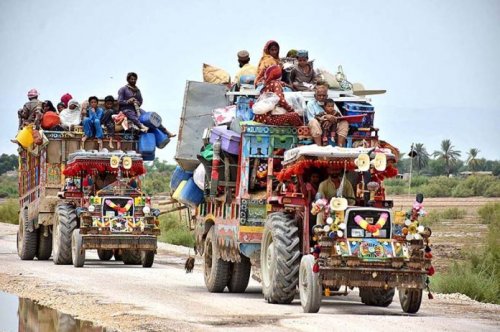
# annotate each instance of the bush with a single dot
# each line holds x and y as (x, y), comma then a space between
(431, 218)
(175, 231)
(462, 278)
(463, 190)
(479, 276)
(489, 212)
(453, 213)
(493, 190)
(8, 186)
(9, 211)
(440, 186)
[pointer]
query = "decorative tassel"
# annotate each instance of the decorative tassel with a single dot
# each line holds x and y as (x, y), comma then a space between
(316, 268)
(431, 271)
(430, 296)
(428, 255)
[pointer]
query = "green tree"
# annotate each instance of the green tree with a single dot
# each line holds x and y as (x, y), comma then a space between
(448, 154)
(8, 162)
(421, 160)
(473, 163)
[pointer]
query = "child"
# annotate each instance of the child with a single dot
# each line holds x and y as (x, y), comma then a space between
(329, 123)
(92, 122)
(107, 120)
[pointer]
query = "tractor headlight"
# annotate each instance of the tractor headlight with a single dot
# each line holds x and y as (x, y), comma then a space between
(91, 208)
(146, 209)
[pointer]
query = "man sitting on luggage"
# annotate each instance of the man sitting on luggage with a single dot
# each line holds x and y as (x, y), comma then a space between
(316, 114)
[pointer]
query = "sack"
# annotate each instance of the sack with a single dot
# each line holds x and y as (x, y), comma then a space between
(266, 103)
(224, 115)
(278, 110)
(329, 78)
(199, 176)
(50, 120)
(297, 101)
(215, 75)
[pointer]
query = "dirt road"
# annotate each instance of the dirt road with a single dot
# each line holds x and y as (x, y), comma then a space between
(166, 298)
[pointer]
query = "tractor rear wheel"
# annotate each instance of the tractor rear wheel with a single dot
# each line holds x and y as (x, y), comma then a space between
(280, 258)
(65, 222)
(44, 249)
(215, 269)
(27, 238)
(239, 275)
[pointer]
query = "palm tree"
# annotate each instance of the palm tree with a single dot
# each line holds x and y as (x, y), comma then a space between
(422, 157)
(472, 160)
(448, 154)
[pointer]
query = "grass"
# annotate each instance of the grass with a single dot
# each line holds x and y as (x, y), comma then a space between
(175, 231)
(479, 276)
(453, 213)
(489, 212)
(435, 216)
(9, 211)
(462, 278)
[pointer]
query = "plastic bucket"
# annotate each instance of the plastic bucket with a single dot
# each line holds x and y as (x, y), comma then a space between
(178, 176)
(161, 139)
(191, 194)
(25, 137)
(177, 192)
(150, 119)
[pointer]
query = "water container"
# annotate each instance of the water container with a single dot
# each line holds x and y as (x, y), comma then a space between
(179, 189)
(161, 139)
(191, 195)
(150, 119)
(148, 156)
(178, 176)
(147, 143)
(25, 136)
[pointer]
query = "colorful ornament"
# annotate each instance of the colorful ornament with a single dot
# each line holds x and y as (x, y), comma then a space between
(374, 229)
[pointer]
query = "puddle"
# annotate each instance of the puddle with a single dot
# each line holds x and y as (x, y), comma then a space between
(20, 314)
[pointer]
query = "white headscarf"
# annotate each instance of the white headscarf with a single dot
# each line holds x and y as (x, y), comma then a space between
(71, 117)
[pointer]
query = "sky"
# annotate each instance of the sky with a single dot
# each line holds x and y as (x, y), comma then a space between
(438, 60)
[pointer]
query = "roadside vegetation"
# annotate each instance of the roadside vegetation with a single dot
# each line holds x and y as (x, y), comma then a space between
(174, 230)
(479, 275)
(9, 211)
(442, 186)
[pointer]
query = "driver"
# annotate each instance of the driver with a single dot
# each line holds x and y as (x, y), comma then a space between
(328, 188)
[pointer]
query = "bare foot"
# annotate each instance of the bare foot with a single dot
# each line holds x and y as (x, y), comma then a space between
(111, 146)
(170, 135)
(99, 143)
(144, 128)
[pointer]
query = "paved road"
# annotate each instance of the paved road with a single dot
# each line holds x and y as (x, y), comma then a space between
(166, 298)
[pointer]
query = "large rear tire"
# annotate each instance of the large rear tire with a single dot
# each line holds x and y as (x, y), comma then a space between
(309, 285)
(215, 269)
(65, 222)
(239, 275)
(44, 249)
(377, 297)
(131, 257)
(147, 258)
(410, 299)
(78, 253)
(280, 258)
(104, 255)
(27, 239)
